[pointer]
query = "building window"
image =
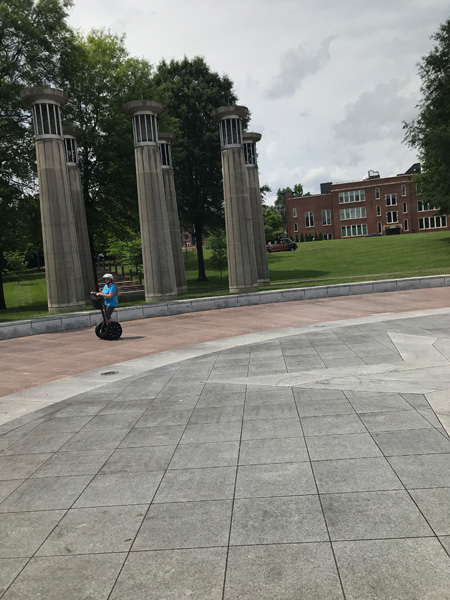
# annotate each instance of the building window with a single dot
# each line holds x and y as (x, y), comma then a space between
(405, 207)
(71, 150)
(403, 190)
(166, 156)
(421, 206)
(353, 230)
(358, 212)
(295, 227)
(392, 217)
(231, 132)
(327, 236)
(380, 227)
(309, 219)
(46, 120)
(294, 213)
(326, 217)
(378, 210)
(250, 153)
(377, 193)
(391, 199)
(145, 129)
(353, 196)
(433, 222)
(405, 225)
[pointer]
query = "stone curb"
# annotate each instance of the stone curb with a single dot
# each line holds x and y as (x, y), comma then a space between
(15, 329)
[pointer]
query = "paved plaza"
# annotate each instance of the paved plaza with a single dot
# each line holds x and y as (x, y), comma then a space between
(308, 462)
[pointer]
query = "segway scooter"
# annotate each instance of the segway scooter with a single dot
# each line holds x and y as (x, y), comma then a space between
(104, 330)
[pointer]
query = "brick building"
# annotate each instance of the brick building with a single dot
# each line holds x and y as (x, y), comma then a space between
(373, 206)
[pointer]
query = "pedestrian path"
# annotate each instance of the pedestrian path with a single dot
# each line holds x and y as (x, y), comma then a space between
(305, 462)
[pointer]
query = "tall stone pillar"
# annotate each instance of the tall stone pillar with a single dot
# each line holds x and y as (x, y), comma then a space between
(242, 271)
(259, 236)
(65, 290)
(159, 271)
(71, 134)
(172, 210)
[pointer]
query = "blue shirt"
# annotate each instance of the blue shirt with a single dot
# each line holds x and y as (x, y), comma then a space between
(113, 301)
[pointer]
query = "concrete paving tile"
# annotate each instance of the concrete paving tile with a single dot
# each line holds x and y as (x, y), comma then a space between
(286, 479)
(430, 416)
(394, 421)
(8, 487)
(271, 428)
(355, 475)
(280, 520)
(255, 452)
(332, 424)
(416, 400)
(195, 573)
(197, 484)
(23, 533)
(351, 445)
(373, 515)
(218, 388)
(415, 441)
(81, 409)
(379, 403)
(58, 577)
(183, 403)
(153, 436)
(54, 425)
(425, 471)
(49, 493)
(73, 463)
(215, 454)
(283, 572)
(126, 406)
(220, 414)
(307, 394)
(20, 466)
(185, 525)
(110, 422)
(9, 569)
(95, 531)
(227, 431)
(113, 489)
(271, 396)
(218, 400)
(38, 444)
(157, 416)
(435, 505)
(445, 541)
(278, 410)
(135, 460)
(96, 440)
(323, 407)
(411, 569)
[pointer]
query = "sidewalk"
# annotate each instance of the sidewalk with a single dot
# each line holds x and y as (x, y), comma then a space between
(302, 459)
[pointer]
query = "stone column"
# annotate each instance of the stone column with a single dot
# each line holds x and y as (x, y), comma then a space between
(172, 210)
(259, 236)
(71, 135)
(65, 290)
(159, 271)
(242, 271)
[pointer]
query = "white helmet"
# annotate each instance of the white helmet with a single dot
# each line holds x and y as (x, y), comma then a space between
(108, 276)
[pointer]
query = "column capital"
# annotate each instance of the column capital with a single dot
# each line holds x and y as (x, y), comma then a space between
(251, 136)
(227, 112)
(35, 95)
(166, 138)
(142, 106)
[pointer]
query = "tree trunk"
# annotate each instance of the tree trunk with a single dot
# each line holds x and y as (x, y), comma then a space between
(200, 258)
(2, 293)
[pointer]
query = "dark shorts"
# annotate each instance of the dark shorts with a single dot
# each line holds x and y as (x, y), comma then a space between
(109, 311)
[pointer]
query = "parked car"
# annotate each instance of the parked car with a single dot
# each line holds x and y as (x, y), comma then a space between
(280, 245)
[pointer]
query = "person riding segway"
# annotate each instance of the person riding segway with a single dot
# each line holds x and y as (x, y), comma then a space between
(107, 329)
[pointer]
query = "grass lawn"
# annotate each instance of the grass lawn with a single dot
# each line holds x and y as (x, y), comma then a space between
(314, 263)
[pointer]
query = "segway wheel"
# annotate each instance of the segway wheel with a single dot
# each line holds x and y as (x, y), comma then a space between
(100, 330)
(113, 331)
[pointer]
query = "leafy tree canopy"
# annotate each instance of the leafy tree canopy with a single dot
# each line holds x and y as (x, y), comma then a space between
(429, 133)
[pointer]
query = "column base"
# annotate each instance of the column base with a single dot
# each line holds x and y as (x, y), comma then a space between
(244, 290)
(56, 310)
(182, 290)
(165, 298)
(263, 282)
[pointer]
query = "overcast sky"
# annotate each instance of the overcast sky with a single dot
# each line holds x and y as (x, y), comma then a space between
(328, 82)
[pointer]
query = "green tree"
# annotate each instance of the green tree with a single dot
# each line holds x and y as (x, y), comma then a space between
(264, 189)
(217, 242)
(126, 251)
(273, 224)
(429, 133)
(33, 34)
(301, 238)
(16, 262)
(190, 90)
